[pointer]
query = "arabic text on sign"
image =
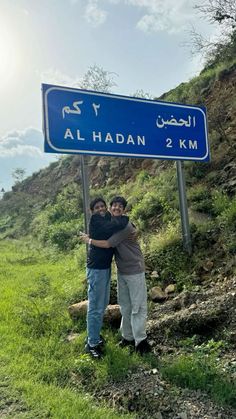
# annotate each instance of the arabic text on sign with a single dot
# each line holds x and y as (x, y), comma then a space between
(160, 122)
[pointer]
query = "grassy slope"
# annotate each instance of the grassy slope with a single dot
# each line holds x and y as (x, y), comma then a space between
(37, 363)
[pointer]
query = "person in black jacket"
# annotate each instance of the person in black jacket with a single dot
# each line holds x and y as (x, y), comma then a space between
(101, 227)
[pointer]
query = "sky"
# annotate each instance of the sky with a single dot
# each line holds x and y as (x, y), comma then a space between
(55, 41)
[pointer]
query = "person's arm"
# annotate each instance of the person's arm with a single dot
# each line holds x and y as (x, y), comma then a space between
(98, 243)
(113, 241)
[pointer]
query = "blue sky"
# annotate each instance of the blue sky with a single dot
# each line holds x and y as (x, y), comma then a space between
(56, 41)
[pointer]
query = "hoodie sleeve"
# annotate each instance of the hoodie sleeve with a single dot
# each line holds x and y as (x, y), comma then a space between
(101, 228)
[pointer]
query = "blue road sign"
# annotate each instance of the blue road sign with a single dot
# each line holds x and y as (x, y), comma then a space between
(87, 122)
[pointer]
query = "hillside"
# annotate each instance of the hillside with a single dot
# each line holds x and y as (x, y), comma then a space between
(192, 328)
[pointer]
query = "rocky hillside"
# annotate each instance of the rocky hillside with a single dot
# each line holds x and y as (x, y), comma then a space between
(192, 328)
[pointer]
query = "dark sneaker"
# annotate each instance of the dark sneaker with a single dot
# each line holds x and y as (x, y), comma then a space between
(94, 351)
(143, 347)
(124, 343)
(101, 341)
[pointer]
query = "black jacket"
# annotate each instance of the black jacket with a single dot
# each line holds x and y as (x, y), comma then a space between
(101, 228)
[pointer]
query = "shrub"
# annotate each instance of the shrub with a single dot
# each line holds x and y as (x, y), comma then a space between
(220, 202)
(199, 371)
(201, 199)
(164, 252)
(227, 216)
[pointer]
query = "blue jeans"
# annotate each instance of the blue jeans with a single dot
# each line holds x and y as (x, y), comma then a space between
(98, 299)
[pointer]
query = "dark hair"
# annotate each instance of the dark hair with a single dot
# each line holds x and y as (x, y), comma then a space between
(95, 201)
(119, 199)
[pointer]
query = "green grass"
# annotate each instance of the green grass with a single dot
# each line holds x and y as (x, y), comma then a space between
(44, 373)
(199, 371)
(41, 373)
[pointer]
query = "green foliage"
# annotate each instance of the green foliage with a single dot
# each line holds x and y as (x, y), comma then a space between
(159, 202)
(221, 202)
(201, 199)
(199, 371)
(150, 206)
(119, 362)
(227, 217)
(5, 223)
(59, 223)
(18, 174)
(164, 253)
(114, 366)
(43, 309)
(64, 234)
(85, 368)
(189, 92)
(195, 171)
(68, 205)
(36, 357)
(227, 223)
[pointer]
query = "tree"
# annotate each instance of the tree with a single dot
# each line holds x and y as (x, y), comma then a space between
(222, 12)
(98, 79)
(18, 175)
(141, 93)
(2, 191)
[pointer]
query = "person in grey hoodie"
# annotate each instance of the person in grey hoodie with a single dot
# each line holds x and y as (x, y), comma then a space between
(132, 290)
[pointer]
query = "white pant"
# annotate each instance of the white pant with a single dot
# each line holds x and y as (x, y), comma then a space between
(132, 298)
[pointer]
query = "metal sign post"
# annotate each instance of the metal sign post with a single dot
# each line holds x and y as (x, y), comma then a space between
(183, 208)
(85, 190)
(85, 122)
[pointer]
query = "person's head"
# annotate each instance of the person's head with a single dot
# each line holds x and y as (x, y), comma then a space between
(98, 206)
(118, 205)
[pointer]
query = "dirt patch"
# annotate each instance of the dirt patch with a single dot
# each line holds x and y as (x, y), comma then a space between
(149, 396)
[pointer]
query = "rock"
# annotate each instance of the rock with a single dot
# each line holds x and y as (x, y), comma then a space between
(209, 310)
(112, 314)
(208, 265)
(157, 294)
(72, 336)
(78, 310)
(170, 289)
(183, 415)
(155, 274)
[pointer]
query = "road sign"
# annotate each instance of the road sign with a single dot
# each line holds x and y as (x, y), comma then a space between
(87, 122)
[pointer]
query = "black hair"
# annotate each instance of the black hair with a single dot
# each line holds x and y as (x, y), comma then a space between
(95, 201)
(119, 199)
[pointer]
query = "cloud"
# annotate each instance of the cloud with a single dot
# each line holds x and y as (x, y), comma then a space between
(95, 15)
(28, 142)
(170, 15)
(22, 149)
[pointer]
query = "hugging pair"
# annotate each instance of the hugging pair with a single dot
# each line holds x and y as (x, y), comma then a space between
(111, 233)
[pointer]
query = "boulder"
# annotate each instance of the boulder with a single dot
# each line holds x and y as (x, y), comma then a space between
(155, 274)
(157, 294)
(112, 314)
(170, 289)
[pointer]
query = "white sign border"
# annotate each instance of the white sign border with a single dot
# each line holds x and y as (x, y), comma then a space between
(115, 154)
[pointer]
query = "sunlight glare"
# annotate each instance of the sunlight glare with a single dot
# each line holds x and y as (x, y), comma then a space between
(8, 57)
